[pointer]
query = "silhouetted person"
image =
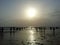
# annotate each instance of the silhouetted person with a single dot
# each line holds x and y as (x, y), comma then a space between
(2, 29)
(50, 28)
(53, 28)
(57, 27)
(10, 29)
(17, 28)
(20, 28)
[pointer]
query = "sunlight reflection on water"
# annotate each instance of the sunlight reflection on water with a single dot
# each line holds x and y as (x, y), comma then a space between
(31, 37)
(31, 32)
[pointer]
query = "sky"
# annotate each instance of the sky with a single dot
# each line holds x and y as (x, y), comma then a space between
(12, 13)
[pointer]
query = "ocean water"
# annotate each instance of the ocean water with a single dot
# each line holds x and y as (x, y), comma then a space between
(30, 36)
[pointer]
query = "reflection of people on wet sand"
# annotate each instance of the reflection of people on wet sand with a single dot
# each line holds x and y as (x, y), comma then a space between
(1, 35)
(22, 42)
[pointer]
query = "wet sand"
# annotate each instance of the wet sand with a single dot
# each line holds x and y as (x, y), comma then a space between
(30, 36)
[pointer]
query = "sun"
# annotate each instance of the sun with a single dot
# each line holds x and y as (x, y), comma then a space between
(31, 12)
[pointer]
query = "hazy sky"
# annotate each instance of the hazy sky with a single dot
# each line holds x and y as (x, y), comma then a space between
(12, 12)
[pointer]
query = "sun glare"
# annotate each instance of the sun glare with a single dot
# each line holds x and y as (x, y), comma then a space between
(31, 12)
